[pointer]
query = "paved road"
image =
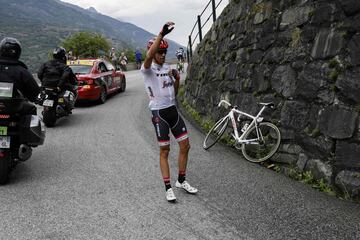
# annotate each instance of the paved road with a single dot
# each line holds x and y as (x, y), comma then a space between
(98, 177)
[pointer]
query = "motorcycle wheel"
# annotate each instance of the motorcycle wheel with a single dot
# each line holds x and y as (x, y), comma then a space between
(49, 117)
(5, 167)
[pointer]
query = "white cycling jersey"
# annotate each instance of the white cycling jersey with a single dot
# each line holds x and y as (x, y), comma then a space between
(159, 86)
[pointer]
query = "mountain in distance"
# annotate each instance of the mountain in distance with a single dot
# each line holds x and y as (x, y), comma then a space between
(41, 25)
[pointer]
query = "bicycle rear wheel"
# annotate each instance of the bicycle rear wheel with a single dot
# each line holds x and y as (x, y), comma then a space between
(263, 148)
(215, 133)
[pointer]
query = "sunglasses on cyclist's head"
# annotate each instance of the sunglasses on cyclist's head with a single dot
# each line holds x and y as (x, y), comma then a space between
(162, 51)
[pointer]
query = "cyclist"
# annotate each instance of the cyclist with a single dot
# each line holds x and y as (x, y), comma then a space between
(161, 83)
(138, 58)
(180, 53)
(15, 72)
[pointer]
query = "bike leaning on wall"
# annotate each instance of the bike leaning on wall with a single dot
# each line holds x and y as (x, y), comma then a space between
(258, 140)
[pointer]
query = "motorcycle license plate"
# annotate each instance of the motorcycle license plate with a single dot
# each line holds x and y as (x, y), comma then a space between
(48, 103)
(3, 131)
(4, 141)
(61, 100)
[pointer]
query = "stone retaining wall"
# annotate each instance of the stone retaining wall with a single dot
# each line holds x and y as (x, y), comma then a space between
(305, 57)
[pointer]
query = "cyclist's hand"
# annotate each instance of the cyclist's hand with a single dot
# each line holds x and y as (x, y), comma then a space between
(167, 28)
(174, 73)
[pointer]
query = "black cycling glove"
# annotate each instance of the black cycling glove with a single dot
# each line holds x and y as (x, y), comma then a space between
(167, 28)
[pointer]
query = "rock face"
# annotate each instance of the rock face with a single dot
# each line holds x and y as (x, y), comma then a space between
(303, 55)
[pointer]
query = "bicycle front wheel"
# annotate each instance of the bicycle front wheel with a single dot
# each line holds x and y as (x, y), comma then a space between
(215, 133)
(263, 142)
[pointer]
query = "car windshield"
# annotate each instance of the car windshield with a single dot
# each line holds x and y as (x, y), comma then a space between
(81, 69)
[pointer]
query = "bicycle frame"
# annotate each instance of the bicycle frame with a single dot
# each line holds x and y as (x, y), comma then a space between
(255, 119)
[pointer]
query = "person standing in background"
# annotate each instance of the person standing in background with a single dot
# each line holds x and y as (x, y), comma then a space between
(138, 58)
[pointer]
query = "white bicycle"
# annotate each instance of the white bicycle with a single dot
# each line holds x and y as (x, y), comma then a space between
(258, 140)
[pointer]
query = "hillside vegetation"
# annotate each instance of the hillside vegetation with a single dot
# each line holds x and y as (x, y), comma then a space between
(42, 25)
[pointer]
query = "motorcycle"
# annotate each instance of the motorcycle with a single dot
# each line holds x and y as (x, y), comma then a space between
(18, 135)
(56, 104)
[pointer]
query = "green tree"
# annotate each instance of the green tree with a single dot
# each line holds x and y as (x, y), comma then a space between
(86, 45)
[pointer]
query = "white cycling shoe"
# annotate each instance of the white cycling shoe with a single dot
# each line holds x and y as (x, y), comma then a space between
(170, 196)
(186, 186)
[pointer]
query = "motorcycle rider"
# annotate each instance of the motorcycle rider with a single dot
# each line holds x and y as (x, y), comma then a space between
(55, 73)
(123, 61)
(12, 70)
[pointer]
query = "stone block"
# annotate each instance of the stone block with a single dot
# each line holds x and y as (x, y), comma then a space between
(319, 169)
(286, 158)
(296, 16)
(349, 84)
(315, 147)
(310, 81)
(283, 81)
(354, 50)
(349, 183)
(294, 114)
(325, 13)
(274, 55)
(258, 81)
(301, 162)
(264, 12)
(256, 56)
(347, 155)
(328, 43)
(350, 6)
(287, 134)
(337, 122)
(290, 148)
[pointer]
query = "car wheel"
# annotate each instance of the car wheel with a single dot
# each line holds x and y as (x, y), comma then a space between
(103, 95)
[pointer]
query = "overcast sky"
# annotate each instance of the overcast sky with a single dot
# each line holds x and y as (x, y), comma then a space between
(152, 14)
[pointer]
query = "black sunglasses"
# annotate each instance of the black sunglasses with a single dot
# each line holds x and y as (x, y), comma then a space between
(162, 51)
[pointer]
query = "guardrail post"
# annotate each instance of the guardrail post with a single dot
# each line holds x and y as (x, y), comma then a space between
(190, 50)
(214, 10)
(199, 25)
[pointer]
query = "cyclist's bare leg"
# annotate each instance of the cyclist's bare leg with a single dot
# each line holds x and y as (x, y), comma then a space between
(164, 164)
(183, 154)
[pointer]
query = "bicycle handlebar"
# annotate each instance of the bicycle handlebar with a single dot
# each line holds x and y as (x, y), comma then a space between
(223, 101)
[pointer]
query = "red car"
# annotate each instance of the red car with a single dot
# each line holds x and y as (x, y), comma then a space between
(97, 78)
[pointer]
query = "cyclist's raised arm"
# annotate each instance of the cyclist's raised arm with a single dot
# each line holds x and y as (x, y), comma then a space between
(167, 28)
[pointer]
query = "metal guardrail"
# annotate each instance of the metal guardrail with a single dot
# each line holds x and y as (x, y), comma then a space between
(201, 25)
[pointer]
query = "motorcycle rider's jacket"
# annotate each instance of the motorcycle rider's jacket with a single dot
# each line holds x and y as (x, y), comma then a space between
(24, 84)
(55, 73)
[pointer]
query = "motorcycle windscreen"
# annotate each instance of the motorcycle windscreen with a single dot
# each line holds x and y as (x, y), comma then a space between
(6, 89)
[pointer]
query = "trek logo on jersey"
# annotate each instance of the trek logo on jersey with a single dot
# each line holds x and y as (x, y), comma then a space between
(151, 94)
(167, 84)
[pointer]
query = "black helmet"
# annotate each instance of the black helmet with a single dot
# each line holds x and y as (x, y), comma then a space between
(10, 47)
(59, 53)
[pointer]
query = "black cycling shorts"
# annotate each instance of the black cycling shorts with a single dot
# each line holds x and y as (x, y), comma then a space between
(168, 119)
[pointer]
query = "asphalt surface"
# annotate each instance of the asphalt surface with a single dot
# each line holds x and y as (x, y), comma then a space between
(97, 177)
